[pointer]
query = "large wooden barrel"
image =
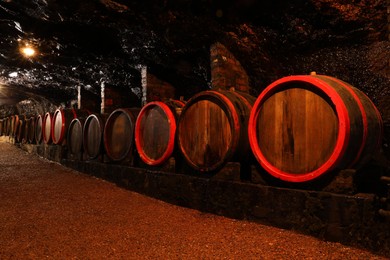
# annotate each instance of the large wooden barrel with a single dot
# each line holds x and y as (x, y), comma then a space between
(303, 127)
(155, 131)
(30, 130)
(212, 129)
(75, 137)
(118, 134)
(39, 129)
(93, 135)
(46, 128)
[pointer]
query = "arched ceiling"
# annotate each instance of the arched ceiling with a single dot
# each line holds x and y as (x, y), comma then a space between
(83, 43)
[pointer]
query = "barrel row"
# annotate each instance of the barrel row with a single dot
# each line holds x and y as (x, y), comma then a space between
(19, 127)
(299, 129)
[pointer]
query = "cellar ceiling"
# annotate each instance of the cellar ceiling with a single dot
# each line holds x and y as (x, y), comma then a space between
(90, 42)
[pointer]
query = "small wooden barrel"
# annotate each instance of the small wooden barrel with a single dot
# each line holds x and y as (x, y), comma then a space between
(155, 131)
(60, 124)
(93, 135)
(26, 126)
(302, 127)
(118, 134)
(61, 121)
(212, 129)
(31, 130)
(19, 121)
(75, 137)
(19, 134)
(11, 125)
(26, 129)
(14, 125)
(6, 126)
(46, 129)
(1, 126)
(39, 129)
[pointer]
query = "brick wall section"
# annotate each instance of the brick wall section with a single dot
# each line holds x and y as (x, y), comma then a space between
(113, 97)
(88, 101)
(226, 70)
(155, 89)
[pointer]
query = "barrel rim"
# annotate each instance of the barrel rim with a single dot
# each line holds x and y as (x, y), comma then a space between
(172, 131)
(362, 112)
(342, 137)
(233, 117)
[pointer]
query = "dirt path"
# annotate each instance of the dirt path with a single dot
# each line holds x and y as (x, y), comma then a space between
(49, 211)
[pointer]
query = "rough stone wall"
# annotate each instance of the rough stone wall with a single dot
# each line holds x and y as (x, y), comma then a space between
(226, 70)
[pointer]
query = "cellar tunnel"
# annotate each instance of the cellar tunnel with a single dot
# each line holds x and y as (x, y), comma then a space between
(98, 56)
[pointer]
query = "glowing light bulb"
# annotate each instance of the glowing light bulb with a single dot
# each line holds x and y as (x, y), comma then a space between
(28, 51)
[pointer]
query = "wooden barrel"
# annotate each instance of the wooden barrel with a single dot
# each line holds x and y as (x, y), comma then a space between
(19, 120)
(302, 127)
(46, 127)
(14, 125)
(155, 131)
(61, 121)
(75, 137)
(6, 126)
(60, 124)
(19, 134)
(26, 126)
(30, 137)
(1, 126)
(118, 134)
(39, 129)
(11, 125)
(93, 135)
(212, 129)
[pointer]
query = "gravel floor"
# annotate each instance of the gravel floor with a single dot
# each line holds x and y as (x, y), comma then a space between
(49, 211)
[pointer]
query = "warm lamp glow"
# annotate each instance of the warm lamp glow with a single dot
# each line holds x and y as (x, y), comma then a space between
(28, 51)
